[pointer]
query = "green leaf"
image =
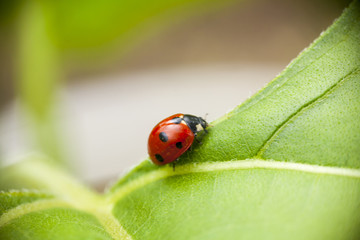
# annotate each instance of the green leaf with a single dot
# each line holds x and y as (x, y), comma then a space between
(283, 165)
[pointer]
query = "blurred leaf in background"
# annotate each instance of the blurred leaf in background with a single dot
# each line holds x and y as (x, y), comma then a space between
(38, 73)
(89, 24)
(49, 30)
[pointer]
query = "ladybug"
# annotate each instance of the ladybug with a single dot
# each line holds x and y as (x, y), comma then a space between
(173, 136)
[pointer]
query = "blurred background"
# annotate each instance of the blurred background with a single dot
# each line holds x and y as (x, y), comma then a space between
(85, 81)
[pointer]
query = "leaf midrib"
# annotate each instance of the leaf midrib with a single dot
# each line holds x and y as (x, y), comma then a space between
(122, 191)
(252, 163)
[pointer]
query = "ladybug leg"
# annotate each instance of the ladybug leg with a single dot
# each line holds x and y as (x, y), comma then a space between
(197, 139)
(173, 165)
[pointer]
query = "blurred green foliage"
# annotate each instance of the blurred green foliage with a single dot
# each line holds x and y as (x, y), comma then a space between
(86, 24)
(48, 29)
(38, 72)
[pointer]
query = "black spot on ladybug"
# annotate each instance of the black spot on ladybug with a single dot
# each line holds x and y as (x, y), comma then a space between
(179, 145)
(159, 157)
(176, 120)
(163, 137)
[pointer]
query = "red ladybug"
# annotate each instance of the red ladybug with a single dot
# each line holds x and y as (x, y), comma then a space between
(171, 137)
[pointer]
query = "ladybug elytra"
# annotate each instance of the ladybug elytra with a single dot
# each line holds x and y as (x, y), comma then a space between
(173, 136)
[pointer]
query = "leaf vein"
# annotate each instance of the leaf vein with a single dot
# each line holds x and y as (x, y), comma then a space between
(27, 208)
(301, 110)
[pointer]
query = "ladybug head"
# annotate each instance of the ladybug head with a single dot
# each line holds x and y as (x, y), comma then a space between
(203, 123)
